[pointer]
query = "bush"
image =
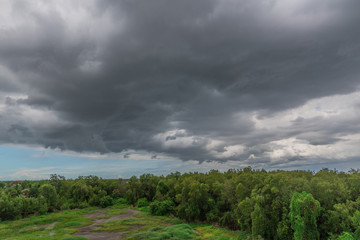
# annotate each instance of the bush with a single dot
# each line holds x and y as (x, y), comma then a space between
(142, 202)
(66, 205)
(80, 192)
(42, 207)
(94, 200)
(96, 197)
(346, 236)
(229, 220)
(28, 206)
(83, 205)
(34, 192)
(10, 208)
(106, 201)
(161, 208)
(49, 193)
(120, 201)
(213, 216)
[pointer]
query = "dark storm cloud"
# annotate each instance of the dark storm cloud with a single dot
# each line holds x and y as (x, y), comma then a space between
(129, 73)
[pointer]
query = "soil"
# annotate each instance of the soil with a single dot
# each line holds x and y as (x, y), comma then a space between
(96, 218)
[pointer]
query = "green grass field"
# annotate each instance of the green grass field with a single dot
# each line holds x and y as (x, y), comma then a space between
(131, 224)
(51, 226)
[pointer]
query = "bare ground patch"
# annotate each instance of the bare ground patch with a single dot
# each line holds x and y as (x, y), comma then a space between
(98, 219)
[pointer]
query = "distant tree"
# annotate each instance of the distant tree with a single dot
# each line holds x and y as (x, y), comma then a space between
(56, 181)
(162, 187)
(28, 206)
(162, 208)
(49, 193)
(80, 192)
(148, 184)
(106, 201)
(34, 192)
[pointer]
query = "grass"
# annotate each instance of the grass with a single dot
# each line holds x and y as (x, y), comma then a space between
(141, 222)
(210, 232)
(50, 226)
(112, 226)
(142, 225)
(114, 212)
(175, 232)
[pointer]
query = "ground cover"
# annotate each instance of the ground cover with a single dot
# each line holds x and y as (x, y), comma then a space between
(119, 222)
(60, 225)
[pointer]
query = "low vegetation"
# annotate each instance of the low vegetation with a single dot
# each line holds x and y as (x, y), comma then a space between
(50, 226)
(266, 205)
(63, 225)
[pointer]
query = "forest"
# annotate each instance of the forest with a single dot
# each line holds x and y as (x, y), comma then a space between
(266, 204)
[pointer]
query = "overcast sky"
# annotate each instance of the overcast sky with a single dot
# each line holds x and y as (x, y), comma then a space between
(272, 84)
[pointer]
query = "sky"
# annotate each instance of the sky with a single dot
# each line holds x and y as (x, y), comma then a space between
(126, 87)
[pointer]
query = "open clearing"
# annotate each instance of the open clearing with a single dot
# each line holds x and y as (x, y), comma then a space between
(99, 218)
(117, 222)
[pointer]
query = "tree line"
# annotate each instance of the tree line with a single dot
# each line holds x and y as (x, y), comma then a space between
(277, 205)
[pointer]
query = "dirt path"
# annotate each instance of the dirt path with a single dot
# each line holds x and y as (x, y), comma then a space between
(86, 231)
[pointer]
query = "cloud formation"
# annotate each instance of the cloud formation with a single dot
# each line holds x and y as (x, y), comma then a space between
(272, 81)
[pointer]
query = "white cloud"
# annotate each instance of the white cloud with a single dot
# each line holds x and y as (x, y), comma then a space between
(229, 152)
(181, 139)
(75, 22)
(347, 147)
(32, 173)
(343, 106)
(178, 138)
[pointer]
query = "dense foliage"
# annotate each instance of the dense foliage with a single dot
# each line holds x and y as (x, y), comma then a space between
(304, 210)
(269, 205)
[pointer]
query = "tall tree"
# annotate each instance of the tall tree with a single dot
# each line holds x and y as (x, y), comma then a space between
(304, 210)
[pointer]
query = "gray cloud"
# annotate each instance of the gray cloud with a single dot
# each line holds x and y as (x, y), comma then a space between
(108, 76)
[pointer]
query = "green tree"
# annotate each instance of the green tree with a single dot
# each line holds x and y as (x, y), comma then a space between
(56, 181)
(304, 210)
(346, 236)
(49, 193)
(10, 208)
(80, 192)
(258, 218)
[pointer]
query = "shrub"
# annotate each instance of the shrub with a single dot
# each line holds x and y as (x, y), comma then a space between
(142, 202)
(10, 208)
(80, 192)
(49, 193)
(346, 236)
(65, 206)
(94, 200)
(213, 216)
(28, 206)
(34, 192)
(161, 208)
(42, 207)
(229, 219)
(82, 205)
(106, 201)
(120, 201)
(96, 197)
